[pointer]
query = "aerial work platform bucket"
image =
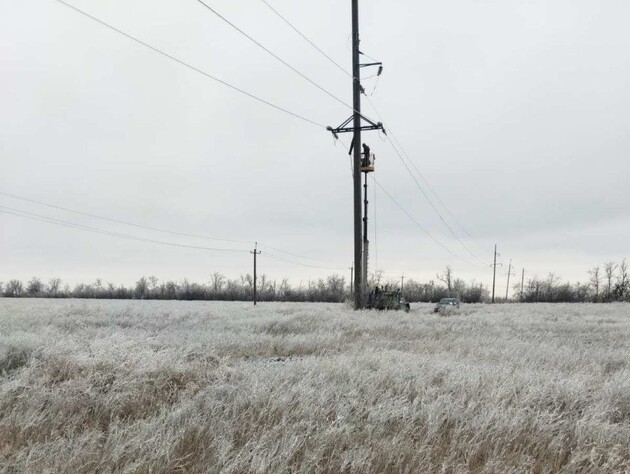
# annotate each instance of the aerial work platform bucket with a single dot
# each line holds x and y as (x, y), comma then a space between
(367, 163)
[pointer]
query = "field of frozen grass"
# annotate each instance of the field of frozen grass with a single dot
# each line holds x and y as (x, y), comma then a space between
(205, 387)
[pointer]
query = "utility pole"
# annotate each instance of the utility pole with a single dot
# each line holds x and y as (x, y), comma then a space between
(360, 278)
(507, 289)
(359, 300)
(522, 283)
(402, 283)
(256, 252)
(494, 271)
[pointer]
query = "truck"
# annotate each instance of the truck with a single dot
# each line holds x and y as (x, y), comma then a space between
(382, 298)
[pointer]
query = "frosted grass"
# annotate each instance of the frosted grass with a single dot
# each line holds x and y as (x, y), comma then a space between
(150, 386)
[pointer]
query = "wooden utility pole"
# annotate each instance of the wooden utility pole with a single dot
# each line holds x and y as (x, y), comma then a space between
(507, 289)
(402, 283)
(356, 128)
(356, 176)
(256, 252)
(494, 271)
(522, 283)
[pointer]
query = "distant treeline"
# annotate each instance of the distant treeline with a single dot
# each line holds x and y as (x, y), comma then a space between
(607, 283)
(332, 289)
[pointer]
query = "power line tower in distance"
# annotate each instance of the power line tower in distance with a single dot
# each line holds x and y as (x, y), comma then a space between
(494, 271)
(255, 252)
(509, 273)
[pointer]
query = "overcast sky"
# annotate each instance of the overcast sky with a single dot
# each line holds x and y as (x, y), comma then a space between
(516, 112)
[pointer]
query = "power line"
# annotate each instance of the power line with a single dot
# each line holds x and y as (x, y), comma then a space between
(321, 51)
(286, 260)
(95, 216)
(420, 226)
(414, 220)
(341, 68)
(156, 229)
(391, 134)
(450, 229)
(300, 256)
(275, 56)
(189, 66)
(50, 220)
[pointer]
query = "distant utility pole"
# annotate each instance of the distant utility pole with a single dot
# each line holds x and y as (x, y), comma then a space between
(507, 289)
(402, 283)
(522, 283)
(356, 128)
(494, 271)
(256, 252)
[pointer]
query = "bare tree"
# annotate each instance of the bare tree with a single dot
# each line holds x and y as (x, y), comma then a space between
(335, 286)
(609, 275)
(550, 286)
(248, 280)
(447, 278)
(171, 289)
(459, 286)
(285, 288)
(263, 282)
(378, 277)
(53, 286)
(595, 281)
(142, 287)
(14, 288)
(35, 287)
(217, 280)
(622, 284)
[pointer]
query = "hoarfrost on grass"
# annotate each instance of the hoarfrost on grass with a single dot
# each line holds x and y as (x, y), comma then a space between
(206, 386)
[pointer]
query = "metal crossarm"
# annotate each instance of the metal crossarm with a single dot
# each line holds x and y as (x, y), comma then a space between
(344, 128)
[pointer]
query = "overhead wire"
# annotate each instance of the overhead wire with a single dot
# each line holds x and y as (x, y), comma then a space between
(321, 51)
(293, 262)
(420, 226)
(391, 134)
(50, 220)
(156, 229)
(341, 68)
(191, 67)
(275, 56)
(446, 224)
(439, 200)
(298, 255)
(117, 221)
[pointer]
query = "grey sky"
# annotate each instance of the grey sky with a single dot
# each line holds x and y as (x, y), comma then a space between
(517, 113)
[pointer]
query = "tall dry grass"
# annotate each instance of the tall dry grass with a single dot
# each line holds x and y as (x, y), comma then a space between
(97, 386)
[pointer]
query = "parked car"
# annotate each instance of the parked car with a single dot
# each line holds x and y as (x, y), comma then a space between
(446, 303)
